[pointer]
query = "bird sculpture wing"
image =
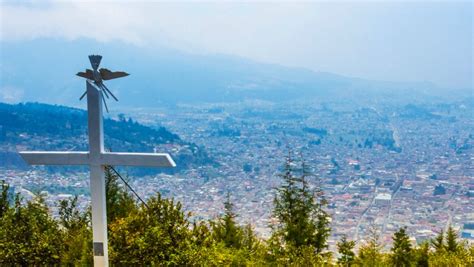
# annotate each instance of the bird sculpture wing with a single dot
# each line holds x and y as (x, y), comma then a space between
(88, 74)
(109, 75)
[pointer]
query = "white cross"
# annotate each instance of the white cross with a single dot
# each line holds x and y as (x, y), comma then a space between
(96, 158)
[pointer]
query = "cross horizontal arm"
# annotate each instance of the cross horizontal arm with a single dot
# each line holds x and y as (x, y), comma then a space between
(138, 159)
(55, 158)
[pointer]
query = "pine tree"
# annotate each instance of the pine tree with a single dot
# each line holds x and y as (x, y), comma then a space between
(438, 242)
(4, 199)
(322, 218)
(290, 210)
(452, 244)
(345, 249)
(449, 251)
(250, 241)
(77, 235)
(422, 255)
(226, 229)
(119, 202)
(401, 250)
(370, 254)
(299, 210)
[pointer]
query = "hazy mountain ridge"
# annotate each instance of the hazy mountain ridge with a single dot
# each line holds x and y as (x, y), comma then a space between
(161, 76)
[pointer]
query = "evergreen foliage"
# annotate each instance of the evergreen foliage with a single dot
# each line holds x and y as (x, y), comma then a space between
(160, 233)
(226, 229)
(119, 202)
(401, 249)
(370, 254)
(77, 235)
(450, 251)
(438, 243)
(451, 240)
(421, 255)
(303, 224)
(4, 199)
(345, 249)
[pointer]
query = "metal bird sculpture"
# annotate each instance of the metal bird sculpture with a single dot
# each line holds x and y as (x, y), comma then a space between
(98, 76)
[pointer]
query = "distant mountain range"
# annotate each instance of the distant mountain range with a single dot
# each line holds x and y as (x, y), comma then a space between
(35, 126)
(44, 70)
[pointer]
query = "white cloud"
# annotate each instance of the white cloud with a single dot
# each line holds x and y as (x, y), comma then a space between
(11, 94)
(427, 41)
(72, 20)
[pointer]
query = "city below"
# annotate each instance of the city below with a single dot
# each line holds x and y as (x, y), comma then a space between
(380, 165)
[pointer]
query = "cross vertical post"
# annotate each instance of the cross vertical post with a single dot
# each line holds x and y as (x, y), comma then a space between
(99, 216)
(97, 178)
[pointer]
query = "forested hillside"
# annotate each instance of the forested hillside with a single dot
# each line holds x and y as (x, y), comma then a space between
(36, 126)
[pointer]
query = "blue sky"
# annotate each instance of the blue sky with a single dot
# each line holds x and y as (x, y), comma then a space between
(381, 40)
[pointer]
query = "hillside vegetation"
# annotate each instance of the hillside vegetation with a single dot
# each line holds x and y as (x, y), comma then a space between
(159, 233)
(37, 126)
